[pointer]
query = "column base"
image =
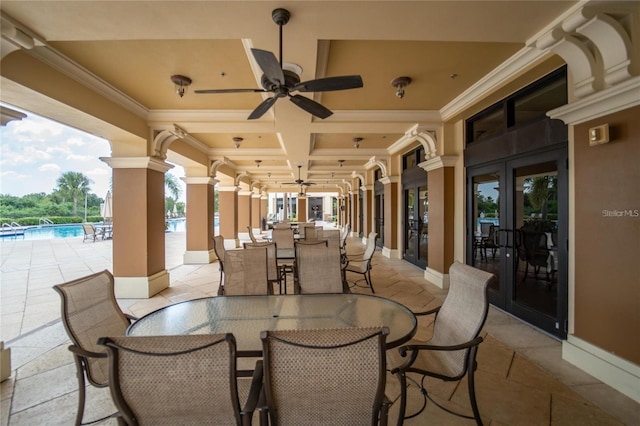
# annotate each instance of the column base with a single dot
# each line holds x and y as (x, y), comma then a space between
(199, 257)
(391, 253)
(141, 287)
(437, 278)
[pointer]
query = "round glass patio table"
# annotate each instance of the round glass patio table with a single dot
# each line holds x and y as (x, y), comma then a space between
(247, 316)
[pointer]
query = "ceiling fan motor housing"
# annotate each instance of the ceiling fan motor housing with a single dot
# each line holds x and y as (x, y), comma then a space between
(290, 80)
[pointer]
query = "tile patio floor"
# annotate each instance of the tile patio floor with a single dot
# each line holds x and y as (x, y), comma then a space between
(521, 380)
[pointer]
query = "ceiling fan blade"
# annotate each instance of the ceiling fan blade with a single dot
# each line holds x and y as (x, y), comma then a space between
(330, 83)
(201, 91)
(311, 106)
(270, 66)
(307, 184)
(262, 108)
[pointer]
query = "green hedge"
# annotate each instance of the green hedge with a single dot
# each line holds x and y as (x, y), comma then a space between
(57, 220)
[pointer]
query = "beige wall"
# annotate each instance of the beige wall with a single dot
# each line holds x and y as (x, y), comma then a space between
(607, 253)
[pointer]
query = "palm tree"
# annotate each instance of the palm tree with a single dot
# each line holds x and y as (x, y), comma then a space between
(172, 185)
(73, 185)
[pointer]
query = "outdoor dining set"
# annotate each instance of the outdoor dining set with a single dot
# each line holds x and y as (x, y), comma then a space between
(317, 355)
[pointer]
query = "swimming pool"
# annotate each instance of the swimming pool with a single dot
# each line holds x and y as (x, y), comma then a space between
(48, 232)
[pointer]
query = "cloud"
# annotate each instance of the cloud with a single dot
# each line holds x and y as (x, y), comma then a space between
(49, 167)
(76, 141)
(77, 157)
(10, 174)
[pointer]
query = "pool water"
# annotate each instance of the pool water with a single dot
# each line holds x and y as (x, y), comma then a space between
(48, 232)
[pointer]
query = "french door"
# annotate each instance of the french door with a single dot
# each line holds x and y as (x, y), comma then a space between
(517, 230)
(378, 220)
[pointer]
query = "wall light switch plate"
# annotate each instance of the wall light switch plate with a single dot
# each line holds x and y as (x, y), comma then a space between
(599, 135)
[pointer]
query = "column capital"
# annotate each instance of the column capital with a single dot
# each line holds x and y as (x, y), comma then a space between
(199, 180)
(228, 189)
(389, 179)
(439, 162)
(152, 163)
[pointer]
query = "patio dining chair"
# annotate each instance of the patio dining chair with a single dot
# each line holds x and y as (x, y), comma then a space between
(284, 239)
(318, 269)
(361, 264)
(273, 273)
(325, 376)
(450, 354)
(179, 380)
(90, 232)
(89, 311)
(246, 272)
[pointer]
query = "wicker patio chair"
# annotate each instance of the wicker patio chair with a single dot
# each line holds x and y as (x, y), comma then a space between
(451, 353)
(246, 272)
(178, 380)
(89, 311)
(273, 273)
(325, 377)
(218, 248)
(318, 269)
(362, 264)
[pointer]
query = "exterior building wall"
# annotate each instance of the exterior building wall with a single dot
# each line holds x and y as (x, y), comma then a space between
(607, 236)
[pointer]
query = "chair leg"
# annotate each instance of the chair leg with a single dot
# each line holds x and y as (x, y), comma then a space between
(403, 398)
(471, 382)
(81, 389)
(367, 277)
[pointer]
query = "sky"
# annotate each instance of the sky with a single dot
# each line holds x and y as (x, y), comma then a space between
(35, 151)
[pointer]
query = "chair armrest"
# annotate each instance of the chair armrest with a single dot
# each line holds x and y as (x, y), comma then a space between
(256, 395)
(78, 351)
(414, 349)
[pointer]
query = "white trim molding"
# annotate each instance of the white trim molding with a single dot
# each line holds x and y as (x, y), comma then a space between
(391, 253)
(436, 278)
(199, 257)
(436, 163)
(152, 163)
(141, 287)
(616, 372)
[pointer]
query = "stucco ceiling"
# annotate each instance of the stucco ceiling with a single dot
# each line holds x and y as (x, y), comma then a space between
(135, 46)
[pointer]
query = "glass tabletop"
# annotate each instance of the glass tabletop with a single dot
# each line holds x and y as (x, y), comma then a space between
(247, 316)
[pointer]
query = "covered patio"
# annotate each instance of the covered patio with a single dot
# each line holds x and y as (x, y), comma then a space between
(521, 380)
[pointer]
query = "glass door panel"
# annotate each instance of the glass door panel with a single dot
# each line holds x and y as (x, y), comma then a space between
(410, 230)
(423, 225)
(485, 251)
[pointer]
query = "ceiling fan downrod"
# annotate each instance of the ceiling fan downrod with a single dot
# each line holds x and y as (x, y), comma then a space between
(280, 17)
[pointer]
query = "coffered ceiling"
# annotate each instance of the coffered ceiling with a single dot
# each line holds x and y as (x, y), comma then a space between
(135, 46)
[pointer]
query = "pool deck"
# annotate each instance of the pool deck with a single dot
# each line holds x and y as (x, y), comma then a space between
(535, 387)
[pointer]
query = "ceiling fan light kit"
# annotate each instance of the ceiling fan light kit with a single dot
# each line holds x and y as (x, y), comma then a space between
(282, 79)
(181, 83)
(400, 83)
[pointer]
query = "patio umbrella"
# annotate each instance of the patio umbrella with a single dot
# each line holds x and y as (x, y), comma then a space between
(106, 208)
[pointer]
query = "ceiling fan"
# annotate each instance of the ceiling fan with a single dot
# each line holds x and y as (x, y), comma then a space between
(299, 181)
(282, 82)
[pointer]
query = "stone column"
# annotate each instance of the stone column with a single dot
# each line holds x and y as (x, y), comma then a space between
(440, 184)
(200, 217)
(256, 213)
(264, 211)
(228, 208)
(355, 223)
(391, 201)
(302, 209)
(138, 226)
(244, 213)
(367, 198)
